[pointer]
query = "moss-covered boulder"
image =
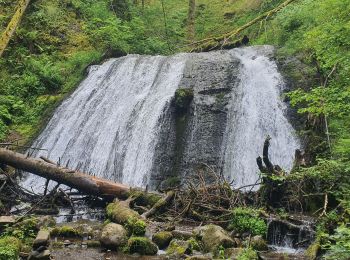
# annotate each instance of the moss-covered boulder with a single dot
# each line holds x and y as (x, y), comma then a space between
(145, 199)
(66, 231)
(135, 227)
(113, 236)
(258, 243)
(212, 237)
(9, 248)
(178, 248)
(142, 245)
(162, 239)
(119, 212)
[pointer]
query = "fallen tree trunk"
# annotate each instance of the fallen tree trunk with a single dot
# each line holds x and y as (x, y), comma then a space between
(11, 27)
(223, 40)
(81, 181)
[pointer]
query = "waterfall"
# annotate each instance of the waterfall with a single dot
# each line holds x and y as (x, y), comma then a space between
(119, 123)
(109, 125)
(256, 111)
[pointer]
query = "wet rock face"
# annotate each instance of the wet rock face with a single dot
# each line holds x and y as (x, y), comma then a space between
(194, 133)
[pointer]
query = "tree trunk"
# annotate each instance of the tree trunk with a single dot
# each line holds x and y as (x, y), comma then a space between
(191, 20)
(11, 27)
(81, 181)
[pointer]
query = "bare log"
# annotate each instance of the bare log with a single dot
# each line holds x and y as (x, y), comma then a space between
(81, 181)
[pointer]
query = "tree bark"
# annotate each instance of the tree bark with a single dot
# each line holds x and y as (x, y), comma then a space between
(81, 181)
(11, 27)
(191, 20)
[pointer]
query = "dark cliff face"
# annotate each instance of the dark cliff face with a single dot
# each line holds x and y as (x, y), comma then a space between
(192, 139)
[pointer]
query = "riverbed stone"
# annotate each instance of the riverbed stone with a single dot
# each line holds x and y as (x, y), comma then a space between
(42, 239)
(43, 255)
(113, 236)
(162, 239)
(213, 236)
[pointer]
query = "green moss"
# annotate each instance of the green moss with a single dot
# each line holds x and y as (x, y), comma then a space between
(179, 248)
(136, 227)
(141, 245)
(162, 239)
(183, 98)
(93, 243)
(9, 248)
(142, 198)
(119, 213)
(313, 250)
(65, 231)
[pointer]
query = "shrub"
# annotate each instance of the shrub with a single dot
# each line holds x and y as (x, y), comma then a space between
(248, 220)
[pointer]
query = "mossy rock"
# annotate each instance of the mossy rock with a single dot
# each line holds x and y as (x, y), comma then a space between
(142, 198)
(212, 237)
(65, 231)
(142, 245)
(162, 239)
(179, 248)
(313, 250)
(136, 227)
(9, 248)
(183, 98)
(120, 213)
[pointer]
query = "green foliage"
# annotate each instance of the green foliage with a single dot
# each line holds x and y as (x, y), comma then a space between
(9, 248)
(338, 245)
(247, 220)
(27, 228)
(248, 254)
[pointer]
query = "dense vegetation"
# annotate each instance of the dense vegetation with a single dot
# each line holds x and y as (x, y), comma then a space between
(58, 39)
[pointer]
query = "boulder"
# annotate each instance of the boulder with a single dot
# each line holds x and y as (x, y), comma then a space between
(142, 245)
(179, 234)
(43, 255)
(258, 243)
(113, 236)
(213, 236)
(42, 239)
(178, 248)
(5, 220)
(162, 239)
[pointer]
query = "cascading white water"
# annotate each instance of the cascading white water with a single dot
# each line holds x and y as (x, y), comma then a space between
(111, 125)
(108, 126)
(257, 111)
